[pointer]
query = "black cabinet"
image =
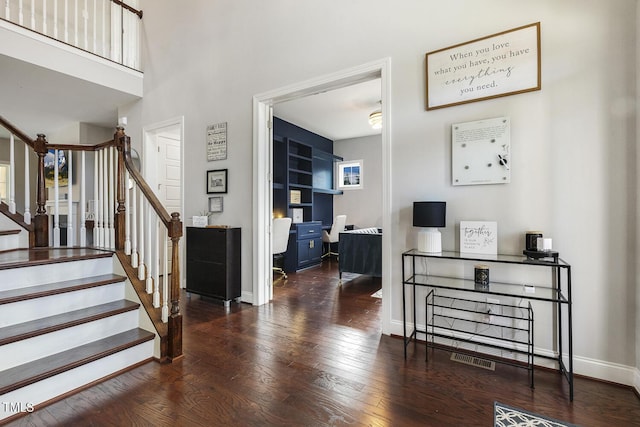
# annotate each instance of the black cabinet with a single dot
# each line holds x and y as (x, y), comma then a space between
(213, 262)
(305, 246)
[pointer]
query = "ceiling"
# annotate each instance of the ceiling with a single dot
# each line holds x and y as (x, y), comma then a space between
(337, 114)
(61, 99)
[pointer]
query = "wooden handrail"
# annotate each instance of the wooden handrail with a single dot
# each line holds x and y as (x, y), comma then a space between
(129, 8)
(17, 132)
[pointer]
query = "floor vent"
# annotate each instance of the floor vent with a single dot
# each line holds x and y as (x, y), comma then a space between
(473, 361)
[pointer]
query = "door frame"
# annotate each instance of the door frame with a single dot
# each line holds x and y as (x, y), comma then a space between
(263, 175)
(149, 144)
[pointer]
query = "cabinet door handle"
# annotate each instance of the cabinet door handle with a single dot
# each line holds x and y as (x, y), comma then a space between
(311, 243)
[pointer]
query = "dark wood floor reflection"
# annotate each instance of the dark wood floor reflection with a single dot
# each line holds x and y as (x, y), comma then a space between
(316, 357)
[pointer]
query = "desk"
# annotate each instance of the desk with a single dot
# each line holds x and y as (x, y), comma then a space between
(557, 293)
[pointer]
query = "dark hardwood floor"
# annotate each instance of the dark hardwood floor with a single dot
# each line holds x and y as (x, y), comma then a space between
(316, 357)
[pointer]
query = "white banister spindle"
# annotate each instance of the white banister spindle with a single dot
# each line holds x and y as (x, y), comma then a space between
(95, 27)
(66, 21)
(112, 197)
(56, 196)
(20, 13)
(165, 276)
(12, 175)
(70, 218)
(82, 217)
(141, 266)
(44, 15)
(55, 19)
(134, 228)
(33, 15)
(104, 28)
(105, 198)
(127, 214)
(7, 10)
(96, 197)
(76, 24)
(85, 24)
(148, 255)
(99, 202)
(27, 189)
(156, 263)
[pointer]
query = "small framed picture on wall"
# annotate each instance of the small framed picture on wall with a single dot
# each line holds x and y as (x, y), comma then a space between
(217, 181)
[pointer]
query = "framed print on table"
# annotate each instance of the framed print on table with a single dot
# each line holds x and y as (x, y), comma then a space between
(217, 181)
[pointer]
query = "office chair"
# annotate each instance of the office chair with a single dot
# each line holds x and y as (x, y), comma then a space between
(333, 236)
(279, 241)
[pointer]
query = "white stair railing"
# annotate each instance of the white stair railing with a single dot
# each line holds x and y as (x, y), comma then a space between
(112, 26)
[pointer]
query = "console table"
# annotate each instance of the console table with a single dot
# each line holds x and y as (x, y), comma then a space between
(557, 293)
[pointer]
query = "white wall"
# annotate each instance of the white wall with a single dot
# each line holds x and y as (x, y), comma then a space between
(573, 142)
(363, 207)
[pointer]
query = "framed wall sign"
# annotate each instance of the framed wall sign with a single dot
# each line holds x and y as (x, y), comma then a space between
(215, 204)
(217, 141)
(217, 181)
(501, 64)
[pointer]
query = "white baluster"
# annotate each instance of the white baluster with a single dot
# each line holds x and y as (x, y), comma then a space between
(100, 206)
(7, 10)
(165, 276)
(95, 27)
(56, 196)
(20, 13)
(156, 263)
(148, 258)
(141, 266)
(105, 198)
(104, 28)
(55, 19)
(27, 194)
(12, 175)
(70, 218)
(96, 197)
(127, 216)
(75, 24)
(83, 211)
(44, 15)
(112, 198)
(134, 228)
(85, 20)
(66, 21)
(33, 14)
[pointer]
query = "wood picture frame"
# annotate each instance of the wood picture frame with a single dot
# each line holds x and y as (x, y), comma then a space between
(502, 64)
(217, 181)
(215, 204)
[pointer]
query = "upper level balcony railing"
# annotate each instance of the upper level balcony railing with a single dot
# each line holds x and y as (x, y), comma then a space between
(108, 28)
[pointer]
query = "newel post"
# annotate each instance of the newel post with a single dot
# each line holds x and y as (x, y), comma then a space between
(175, 317)
(120, 140)
(41, 220)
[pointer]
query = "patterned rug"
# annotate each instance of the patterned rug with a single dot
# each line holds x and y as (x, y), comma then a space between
(507, 416)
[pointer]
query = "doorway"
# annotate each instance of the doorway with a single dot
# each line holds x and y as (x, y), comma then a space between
(263, 160)
(162, 167)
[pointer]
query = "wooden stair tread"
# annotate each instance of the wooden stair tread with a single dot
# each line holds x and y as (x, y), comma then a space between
(38, 291)
(39, 256)
(9, 232)
(45, 325)
(38, 370)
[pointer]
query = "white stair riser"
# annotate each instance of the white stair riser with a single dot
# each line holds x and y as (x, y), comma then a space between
(50, 388)
(31, 349)
(15, 278)
(37, 308)
(11, 241)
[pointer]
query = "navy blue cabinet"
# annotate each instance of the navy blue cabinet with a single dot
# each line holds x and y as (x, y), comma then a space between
(305, 246)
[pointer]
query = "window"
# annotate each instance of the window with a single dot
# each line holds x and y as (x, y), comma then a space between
(350, 175)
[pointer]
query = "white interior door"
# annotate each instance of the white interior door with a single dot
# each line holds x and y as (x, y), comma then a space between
(169, 180)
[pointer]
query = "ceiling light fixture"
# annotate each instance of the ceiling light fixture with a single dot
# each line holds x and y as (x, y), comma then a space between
(375, 119)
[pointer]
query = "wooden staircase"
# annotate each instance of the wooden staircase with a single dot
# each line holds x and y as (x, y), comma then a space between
(64, 324)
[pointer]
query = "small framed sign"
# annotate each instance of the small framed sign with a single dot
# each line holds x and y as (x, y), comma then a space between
(479, 237)
(217, 141)
(215, 204)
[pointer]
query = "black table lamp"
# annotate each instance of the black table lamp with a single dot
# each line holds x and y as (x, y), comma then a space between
(430, 216)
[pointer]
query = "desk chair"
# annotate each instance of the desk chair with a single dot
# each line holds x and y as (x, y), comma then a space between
(333, 236)
(279, 241)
